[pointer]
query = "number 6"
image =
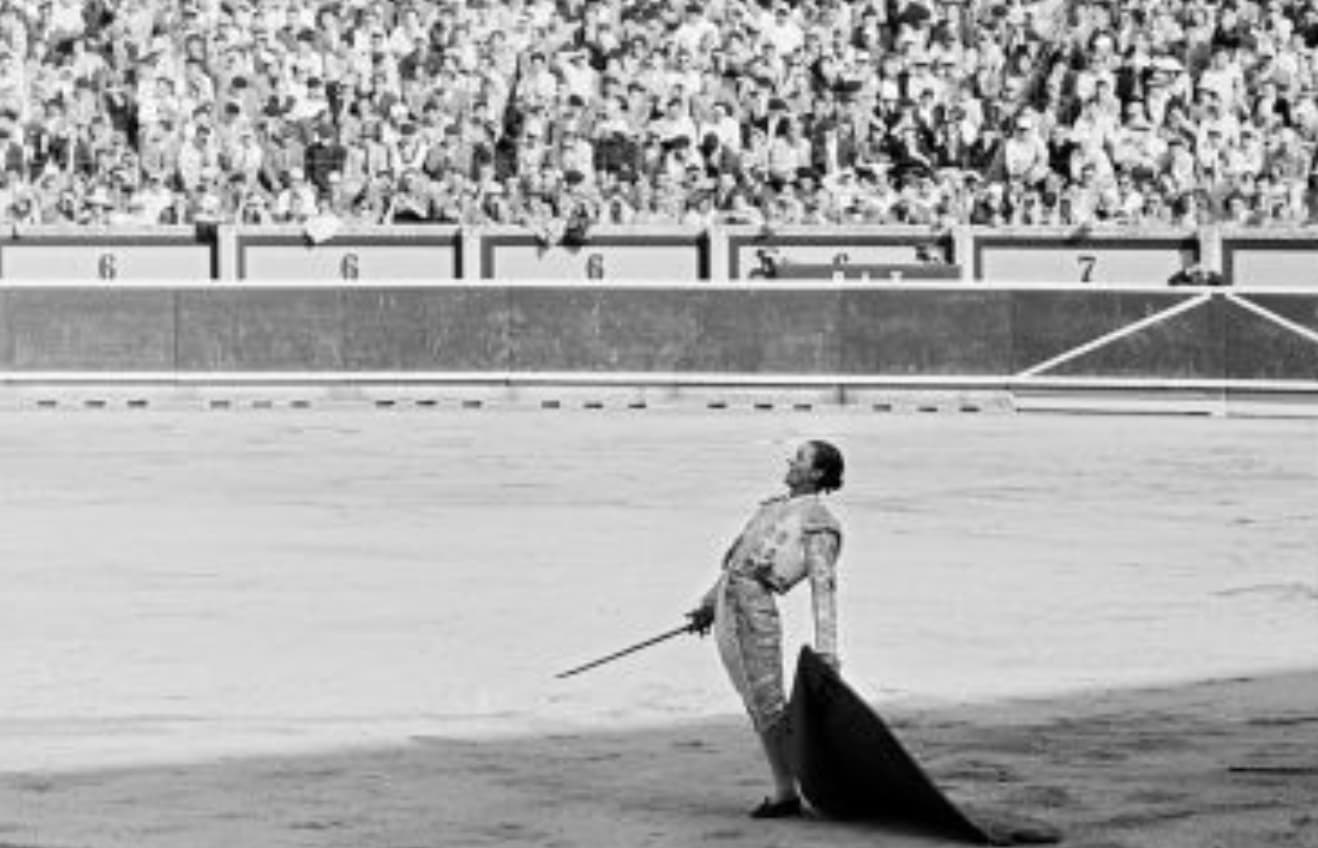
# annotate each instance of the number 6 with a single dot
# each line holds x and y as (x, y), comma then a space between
(107, 268)
(349, 267)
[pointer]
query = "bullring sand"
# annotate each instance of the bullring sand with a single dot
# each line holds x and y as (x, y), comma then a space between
(340, 628)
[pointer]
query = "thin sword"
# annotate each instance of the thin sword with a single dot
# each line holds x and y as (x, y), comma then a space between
(662, 637)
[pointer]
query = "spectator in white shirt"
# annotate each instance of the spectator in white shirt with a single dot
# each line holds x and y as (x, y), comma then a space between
(695, 31)
(1025, 154)
(579, 77)
(66, 20)
(684, 74)
(782, 30)
(1136, 146)
(1224, 78)
(723, 126)
(1248, 155)
(676, 123)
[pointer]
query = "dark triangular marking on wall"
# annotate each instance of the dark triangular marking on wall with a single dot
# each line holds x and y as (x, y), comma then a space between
(1259, 349)
(1186, 346)
(1048, 323)
(1300, 308)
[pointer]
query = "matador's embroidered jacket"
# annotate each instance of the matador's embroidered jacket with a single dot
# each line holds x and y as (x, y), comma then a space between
(786, 541)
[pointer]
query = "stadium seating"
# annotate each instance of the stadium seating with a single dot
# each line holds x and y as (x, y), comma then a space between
(561, 115)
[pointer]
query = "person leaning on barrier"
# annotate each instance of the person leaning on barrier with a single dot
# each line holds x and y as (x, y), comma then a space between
(1196, 275)
(790, 538)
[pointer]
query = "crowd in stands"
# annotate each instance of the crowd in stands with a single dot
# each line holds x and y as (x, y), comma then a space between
(567, 114)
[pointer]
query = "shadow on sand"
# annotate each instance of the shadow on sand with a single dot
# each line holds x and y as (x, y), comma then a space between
(1224, 763)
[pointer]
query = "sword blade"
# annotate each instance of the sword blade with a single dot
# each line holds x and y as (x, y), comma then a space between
(662, 637)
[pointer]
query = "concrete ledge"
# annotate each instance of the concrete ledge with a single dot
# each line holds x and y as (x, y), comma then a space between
(95, 395)
(110, 392)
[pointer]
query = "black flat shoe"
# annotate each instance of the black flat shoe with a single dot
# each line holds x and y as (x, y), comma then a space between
(791, 808)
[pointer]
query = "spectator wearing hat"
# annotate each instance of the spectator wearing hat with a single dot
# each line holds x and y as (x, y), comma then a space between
(1023, 156)
(295, 199)
(98, 207)
(1167, 82)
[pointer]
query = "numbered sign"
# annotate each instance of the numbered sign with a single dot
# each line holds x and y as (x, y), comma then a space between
(615, 256)
(807, 253)
(106, 257)
(432, 254)
(1104, 260)
(1262, 262)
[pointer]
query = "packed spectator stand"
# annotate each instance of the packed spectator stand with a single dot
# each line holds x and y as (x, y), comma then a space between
(564, 115)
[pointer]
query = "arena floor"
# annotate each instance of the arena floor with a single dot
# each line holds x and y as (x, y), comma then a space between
(357, 615)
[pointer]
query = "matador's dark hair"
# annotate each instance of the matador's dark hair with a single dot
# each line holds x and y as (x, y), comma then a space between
(828, 461)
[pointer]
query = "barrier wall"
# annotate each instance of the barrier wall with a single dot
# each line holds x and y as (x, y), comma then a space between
(837, 333)
(1135, 258)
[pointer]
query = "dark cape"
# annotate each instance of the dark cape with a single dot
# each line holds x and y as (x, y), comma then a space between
(850, 766)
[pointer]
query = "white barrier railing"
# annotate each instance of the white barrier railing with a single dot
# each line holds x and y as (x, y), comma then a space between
(1113, 256)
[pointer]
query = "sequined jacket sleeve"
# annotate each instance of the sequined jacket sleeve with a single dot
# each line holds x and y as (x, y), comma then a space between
(821, 553)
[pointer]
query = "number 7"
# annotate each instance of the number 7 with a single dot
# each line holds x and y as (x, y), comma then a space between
(1087, 262)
